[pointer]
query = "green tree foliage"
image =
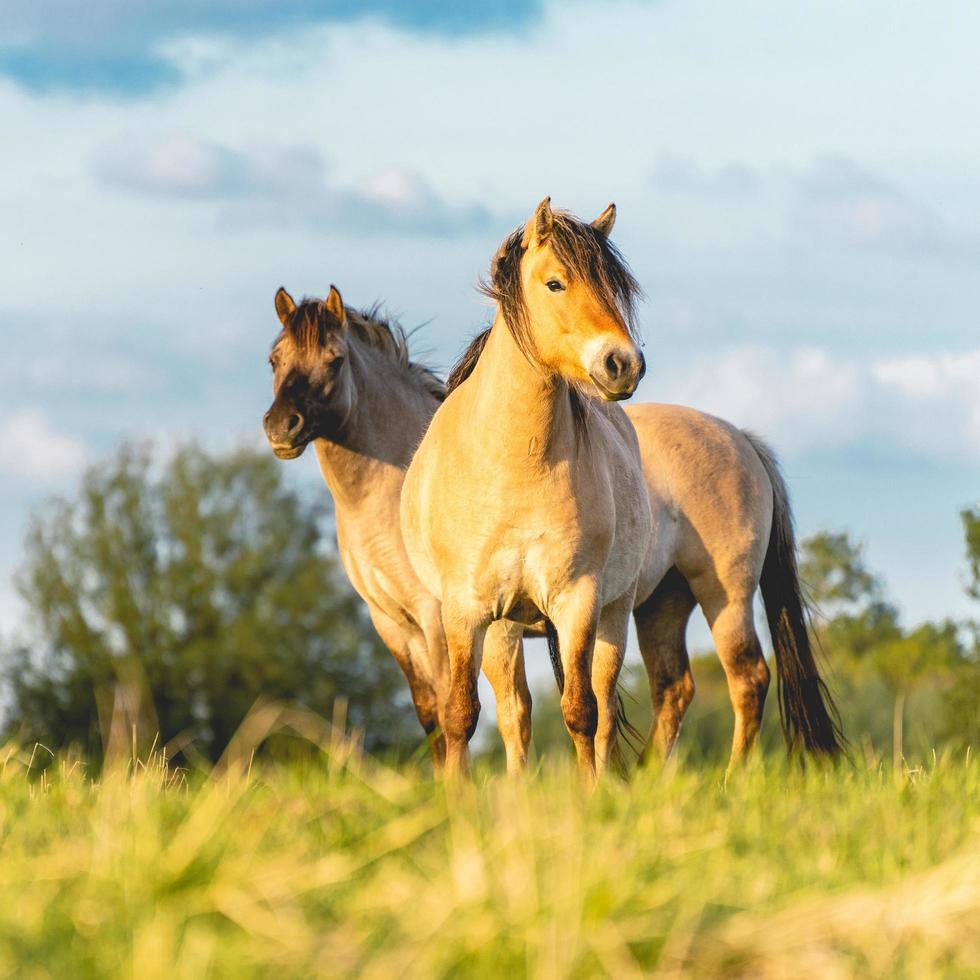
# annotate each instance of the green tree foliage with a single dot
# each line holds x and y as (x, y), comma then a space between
(971, 529)
(962, 702)
(193, 587)
(886, 674)
(833, 568)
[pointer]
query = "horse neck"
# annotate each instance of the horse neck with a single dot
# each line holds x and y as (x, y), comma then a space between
(534, 402)
(366, 458)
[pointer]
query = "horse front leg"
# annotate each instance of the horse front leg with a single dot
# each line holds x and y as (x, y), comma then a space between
(465, 634)
(575, 617)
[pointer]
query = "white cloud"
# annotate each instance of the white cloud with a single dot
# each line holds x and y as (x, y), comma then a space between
(809, 399)
(839, 201)
(267, 184)
(804, 399)
(30, 448)
(940, 397)
(176, 164)
(180, 164)
(831, 200)
(930, 377)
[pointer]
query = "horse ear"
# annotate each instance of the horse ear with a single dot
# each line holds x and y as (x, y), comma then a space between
(335, 305)
(285, 306)
(604, 223)
(538, 228)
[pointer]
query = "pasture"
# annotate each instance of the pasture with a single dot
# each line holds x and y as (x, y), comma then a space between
(340, 865)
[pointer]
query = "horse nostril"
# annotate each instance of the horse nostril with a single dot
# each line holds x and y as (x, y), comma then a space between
(293, 424)
(614, 366)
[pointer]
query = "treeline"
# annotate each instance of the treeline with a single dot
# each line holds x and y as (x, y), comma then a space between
(169, 595)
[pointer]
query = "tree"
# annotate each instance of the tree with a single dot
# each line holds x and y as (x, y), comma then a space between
(971, 529)
(184, 591)
(833, 568)
(962, 702)
(857, 618)
(864, 629)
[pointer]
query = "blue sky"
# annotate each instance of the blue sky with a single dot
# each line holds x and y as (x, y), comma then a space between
(797, 190)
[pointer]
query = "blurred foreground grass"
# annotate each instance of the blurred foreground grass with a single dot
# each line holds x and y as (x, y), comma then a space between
(337, 865)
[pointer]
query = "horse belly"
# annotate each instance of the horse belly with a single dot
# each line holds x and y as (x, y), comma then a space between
(661, 554)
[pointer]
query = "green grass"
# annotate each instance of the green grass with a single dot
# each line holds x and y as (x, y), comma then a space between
(336, 865)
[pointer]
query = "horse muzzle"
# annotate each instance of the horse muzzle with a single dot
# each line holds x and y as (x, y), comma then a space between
(616, 371)
(286, 432)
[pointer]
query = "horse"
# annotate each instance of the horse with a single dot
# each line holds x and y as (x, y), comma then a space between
(525, 500)
(723, 530)
(343, 381)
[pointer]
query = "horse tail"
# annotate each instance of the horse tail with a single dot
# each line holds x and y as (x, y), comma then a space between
(629, 733)
(809, 717)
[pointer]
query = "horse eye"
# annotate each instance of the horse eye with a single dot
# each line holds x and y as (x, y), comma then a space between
(554, 285)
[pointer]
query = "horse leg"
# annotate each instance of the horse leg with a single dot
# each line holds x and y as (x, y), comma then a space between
(576, 621)
(503, 664)
(437, 660)
(607, 661)
(733, 630)
(465, 634)
(661, 628)
(405, 644)
(429, 615)
(428, 705)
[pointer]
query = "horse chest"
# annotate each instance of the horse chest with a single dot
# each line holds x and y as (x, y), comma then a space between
(518, 570)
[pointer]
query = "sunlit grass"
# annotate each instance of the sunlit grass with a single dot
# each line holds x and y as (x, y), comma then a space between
(338, 865)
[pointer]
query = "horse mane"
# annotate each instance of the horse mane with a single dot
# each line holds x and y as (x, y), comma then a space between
(311, 323)
(463, 368)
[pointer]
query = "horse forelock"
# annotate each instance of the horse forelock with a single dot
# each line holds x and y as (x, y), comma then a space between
(309, 325)
(589, 256)
(312, 323)
(586, 254)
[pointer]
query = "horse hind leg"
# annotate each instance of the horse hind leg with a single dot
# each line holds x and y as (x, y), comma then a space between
(661, 629)
(733, 630)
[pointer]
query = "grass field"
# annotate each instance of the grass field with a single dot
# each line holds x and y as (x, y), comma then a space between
(336, 865)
